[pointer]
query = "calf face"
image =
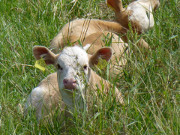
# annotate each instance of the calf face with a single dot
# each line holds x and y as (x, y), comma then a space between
(72, 68)
(73, 71)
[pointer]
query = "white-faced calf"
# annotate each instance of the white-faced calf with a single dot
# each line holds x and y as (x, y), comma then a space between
(76, 80)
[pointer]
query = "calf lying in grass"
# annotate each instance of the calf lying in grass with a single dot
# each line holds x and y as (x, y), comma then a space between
(138, 14)
(76, 80)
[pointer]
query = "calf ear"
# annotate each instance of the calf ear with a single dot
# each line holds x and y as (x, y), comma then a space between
(103, 53)
(43, 52)
(116, 5)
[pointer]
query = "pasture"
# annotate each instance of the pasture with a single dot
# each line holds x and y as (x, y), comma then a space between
(149, 82)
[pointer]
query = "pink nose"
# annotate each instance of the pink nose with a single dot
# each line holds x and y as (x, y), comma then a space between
(69, 83)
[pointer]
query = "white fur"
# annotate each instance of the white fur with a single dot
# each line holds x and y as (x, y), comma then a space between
(142, 13)
(72, 60)
(35, 100)
(86, 47)
(45, 97)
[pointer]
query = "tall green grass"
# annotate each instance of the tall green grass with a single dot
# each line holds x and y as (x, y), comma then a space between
(150, 82)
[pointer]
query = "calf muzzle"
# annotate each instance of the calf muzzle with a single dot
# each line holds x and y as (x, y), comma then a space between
(70, 84)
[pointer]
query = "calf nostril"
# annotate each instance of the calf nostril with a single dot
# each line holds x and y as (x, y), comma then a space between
(65, 81)
(74, 81)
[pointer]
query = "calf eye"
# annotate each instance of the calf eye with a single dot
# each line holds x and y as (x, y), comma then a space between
(85, 67)
(59, 67)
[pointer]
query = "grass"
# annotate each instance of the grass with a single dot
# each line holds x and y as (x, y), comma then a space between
(150, 83)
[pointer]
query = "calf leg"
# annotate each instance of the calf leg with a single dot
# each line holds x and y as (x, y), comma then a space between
(45, 97)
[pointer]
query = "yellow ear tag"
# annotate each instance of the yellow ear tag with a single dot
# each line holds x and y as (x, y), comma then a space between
(102, 64)
(40, 64)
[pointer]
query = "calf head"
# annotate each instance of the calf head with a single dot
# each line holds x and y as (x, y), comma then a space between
(73, 71)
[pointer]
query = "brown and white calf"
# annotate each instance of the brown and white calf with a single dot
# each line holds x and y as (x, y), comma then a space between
(77, 82)
(138, 13)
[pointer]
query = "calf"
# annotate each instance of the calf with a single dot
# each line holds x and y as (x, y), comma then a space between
(138, 13)
(76, 80)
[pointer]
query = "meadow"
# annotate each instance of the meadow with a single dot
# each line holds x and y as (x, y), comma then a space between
(150, 82)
